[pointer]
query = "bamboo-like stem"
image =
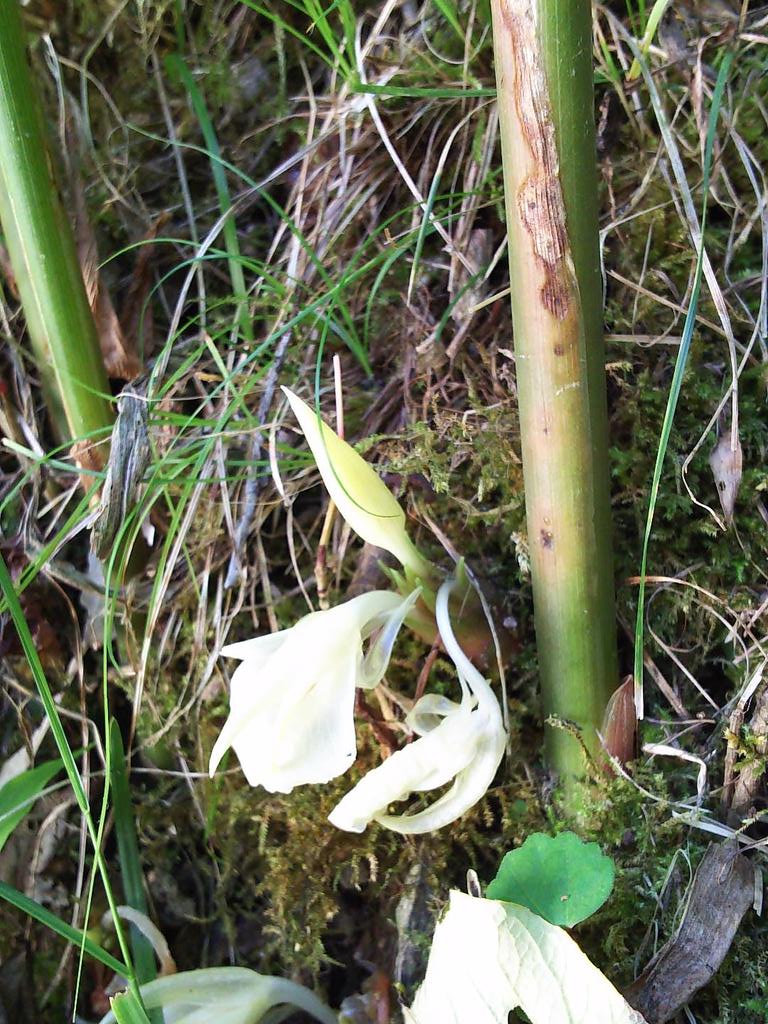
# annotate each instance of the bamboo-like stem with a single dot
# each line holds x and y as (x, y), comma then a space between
(544, 74)
(44, 259)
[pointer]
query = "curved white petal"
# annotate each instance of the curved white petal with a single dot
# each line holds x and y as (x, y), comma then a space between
(291, 716)
(361, 497)
(425, 764)
(470, 784)
(256, 647)
(388, 624)
(228, 995)
(467, 746)
(427, 713)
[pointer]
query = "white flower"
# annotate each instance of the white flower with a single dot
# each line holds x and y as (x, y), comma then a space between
(464, 742)
(228, 995)
(361, 497)
(292, 700)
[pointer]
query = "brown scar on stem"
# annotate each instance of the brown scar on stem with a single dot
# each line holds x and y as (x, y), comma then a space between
(547, 539)
(540, 203)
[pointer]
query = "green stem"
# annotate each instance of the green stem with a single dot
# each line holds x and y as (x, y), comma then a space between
(44, 259)
(544, 74)
(130, 860)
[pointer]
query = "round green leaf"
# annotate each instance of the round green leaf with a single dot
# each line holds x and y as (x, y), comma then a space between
(560, 878)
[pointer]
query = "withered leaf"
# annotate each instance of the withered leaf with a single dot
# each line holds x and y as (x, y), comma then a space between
(721, 893)
(620, 722)
(120, 358)
(725, 461)
(136, 313)
(129, 456)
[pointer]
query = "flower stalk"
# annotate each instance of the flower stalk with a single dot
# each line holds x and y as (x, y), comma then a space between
(544, 74)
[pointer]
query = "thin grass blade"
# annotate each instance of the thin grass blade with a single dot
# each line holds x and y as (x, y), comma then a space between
(18, 795)
(677, 381)
(128, 852)
(40, 913)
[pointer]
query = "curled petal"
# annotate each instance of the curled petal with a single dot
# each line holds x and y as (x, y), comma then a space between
(428, 763)
(361, 497)
(467, 746)
(427, 713)
(387, 626)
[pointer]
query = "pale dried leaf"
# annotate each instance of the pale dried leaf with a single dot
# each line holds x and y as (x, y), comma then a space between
(725, 461)
(489, 958)
(21, 761)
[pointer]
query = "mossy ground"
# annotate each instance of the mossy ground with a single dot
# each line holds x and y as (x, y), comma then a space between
(238, 874)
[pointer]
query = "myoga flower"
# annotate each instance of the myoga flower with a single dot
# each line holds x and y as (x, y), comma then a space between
(291, 717)
(228, 995)
(361, 497)
(464, 742)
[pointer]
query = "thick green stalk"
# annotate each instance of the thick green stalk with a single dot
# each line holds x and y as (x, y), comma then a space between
(544, 74)
(44, 260)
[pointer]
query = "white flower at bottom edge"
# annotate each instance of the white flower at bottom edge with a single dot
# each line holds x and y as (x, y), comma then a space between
(291, 717)
(228, 995)
(464, 742)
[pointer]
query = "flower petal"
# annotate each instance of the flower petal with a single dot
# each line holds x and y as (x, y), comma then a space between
(361, 497)
(428, 711)
(228, 995)
(470, 784)
(377, 657)
(256, 647)
(468, 744)
(294, 724)
(426, 764)
(291, 717)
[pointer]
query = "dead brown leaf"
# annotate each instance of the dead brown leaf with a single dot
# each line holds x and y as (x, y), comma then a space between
(725, 461)
(136, 312)
(620, 723)
(720, 895)
(749, 775)
(120, 358)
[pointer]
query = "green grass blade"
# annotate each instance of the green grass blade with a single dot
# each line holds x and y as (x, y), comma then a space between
(448, 10)
(40, 913)
(321, 22)
(287, 28)
(128, 1010)
(51, 711)
(60, 738)
(417, 92)
(18, 795)
(128, 852)
(654, 18)
(677, 380)
(178, 69)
